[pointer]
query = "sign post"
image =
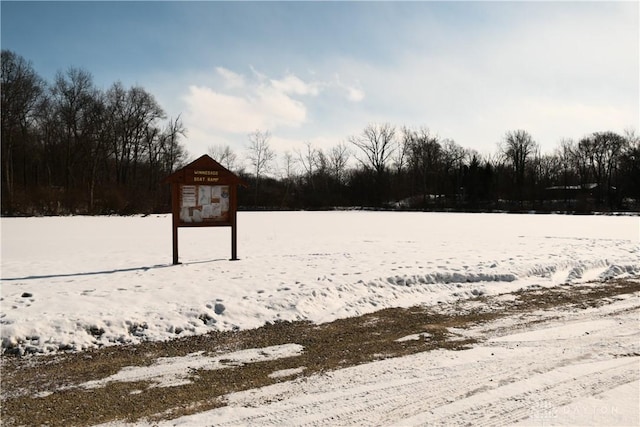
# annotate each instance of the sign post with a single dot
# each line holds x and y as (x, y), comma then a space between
(204, 194)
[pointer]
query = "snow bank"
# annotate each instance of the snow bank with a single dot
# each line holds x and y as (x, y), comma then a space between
(72, 283)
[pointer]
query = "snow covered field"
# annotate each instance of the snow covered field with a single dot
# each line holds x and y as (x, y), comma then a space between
(83, 282)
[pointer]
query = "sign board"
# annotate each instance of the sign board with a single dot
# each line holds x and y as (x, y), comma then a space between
(204, 203)
(204, 194)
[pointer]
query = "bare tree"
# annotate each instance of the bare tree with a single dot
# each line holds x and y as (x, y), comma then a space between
(565, 154)
(21, 91)
(548, 170)
(260, 155)
(288, 174)
(224, 155)
(453, 155)
(376, 142)
(289, 163)
(632, 137)
(425, 159)
(96, 143)
(322, 164)
(130, 113)
(74, 95)
(145, 112)
(338, 159)
(517, 148)
(172, 153)
(602, 150)
(308, 159)
(401, 153)
(630, 167)
(452, 160)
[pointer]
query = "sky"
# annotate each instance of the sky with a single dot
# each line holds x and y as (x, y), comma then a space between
(320, 72)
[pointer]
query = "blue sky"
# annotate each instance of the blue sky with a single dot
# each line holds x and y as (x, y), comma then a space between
(320, 72)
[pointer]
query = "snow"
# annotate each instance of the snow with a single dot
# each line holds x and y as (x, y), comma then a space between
(287, 372)
(73, 283)
(523, 379)
(414, 337)
(615, 407)
(172, 371)
(81, 282)
(563, 332)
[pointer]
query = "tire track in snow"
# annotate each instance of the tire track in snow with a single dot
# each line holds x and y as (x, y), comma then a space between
(370, 399)
(384, 405)
(487, 391)
(510, 404)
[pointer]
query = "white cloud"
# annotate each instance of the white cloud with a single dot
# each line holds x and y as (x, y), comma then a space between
(232, 80)
(278, 108)
(257, 74)
(237, 105)
(211, 110)
(261, 108)
(292, 84)
(354, 94)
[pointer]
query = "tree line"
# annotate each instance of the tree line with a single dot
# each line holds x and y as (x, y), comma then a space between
(68, 147)
(387, 166)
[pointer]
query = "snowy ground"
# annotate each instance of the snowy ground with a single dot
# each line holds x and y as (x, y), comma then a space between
(80, 282)
(576, 368)
(83, 282)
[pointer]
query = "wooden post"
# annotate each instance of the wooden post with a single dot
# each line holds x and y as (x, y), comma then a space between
(234, 229)
(234, 244)
(175, 219)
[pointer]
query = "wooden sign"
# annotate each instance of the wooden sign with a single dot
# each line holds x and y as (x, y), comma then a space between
(204, 194)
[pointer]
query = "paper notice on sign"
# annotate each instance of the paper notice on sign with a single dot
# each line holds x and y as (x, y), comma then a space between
(189, 196)
(204, 195)
(217, 210)
(185, 216)
(216, 192)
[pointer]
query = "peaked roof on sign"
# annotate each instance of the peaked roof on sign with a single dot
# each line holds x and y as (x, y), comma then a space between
(205, 162)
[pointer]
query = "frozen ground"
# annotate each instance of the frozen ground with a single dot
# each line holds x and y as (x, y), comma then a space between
(563, 368)
(82, 282)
